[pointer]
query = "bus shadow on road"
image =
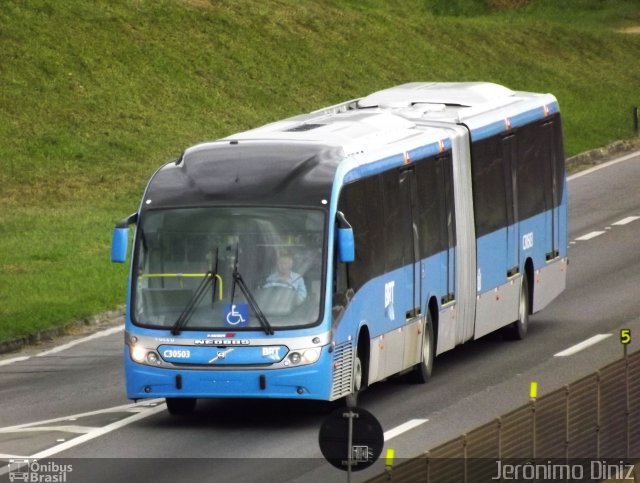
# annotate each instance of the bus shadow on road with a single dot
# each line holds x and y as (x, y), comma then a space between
(290, 413)
(252, 413)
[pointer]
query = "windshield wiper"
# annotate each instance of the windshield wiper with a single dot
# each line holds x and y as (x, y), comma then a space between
(215, 282)
(194, 301)
(237, 279)
(196, 298)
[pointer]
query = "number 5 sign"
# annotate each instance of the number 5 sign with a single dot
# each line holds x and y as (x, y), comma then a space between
(625, 336)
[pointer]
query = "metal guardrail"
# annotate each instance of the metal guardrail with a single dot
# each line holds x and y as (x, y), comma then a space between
(591, 422)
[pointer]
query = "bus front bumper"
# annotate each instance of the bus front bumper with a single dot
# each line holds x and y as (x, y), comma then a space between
(312, 381)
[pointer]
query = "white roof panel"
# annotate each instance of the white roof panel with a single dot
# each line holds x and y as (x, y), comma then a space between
(453, 93)
(402, 115)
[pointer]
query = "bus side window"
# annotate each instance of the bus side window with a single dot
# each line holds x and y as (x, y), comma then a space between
(393, 233)
(340, 283)
(365, 218)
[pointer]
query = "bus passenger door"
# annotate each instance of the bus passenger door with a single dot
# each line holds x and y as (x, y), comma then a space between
(510, 176)
(410, 250)
(550, 191)
(444, 174)
(413, 331)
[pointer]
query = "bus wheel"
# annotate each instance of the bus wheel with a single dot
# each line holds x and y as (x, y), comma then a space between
(179, 406)
(422, 371)
(518, 329)
(357, 374)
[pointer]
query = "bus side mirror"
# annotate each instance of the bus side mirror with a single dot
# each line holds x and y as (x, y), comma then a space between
(119, 245)
(346, 241)
(120, 239)
(346, 245)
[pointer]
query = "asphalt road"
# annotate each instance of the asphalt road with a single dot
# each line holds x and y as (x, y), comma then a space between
(70, 405)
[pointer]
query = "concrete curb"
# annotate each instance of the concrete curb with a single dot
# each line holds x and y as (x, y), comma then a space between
(109, 318)
(597, 156)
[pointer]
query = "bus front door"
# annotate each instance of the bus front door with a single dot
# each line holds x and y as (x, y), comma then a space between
(414, 317)
(510, 175)
(409, 204)
(551, 192)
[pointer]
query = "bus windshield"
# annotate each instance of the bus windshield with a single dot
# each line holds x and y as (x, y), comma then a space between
(203, 266)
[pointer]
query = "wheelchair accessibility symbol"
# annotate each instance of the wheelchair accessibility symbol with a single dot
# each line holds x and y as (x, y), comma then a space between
(236, 315)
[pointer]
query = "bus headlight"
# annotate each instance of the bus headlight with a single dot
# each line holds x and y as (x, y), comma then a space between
(153, 358)
(303, 356)
(138, 353)
(294, 357)
(310, 356)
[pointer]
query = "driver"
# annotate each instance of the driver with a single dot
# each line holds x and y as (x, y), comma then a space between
(283, 276)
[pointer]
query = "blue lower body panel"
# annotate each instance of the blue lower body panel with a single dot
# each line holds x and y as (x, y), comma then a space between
(311, 381)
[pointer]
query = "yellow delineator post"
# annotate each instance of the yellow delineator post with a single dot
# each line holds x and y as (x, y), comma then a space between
(388, 461)
(533, 394)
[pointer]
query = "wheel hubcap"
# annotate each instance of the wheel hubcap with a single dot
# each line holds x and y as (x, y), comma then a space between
(523, 307)
(357, 375)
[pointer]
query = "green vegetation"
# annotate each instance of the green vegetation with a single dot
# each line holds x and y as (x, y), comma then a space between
(96, 95)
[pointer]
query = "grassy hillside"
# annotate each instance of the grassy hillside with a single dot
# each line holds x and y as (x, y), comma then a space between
(96, 95)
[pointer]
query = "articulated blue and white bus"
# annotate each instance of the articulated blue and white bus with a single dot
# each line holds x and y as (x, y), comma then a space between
(314, 256)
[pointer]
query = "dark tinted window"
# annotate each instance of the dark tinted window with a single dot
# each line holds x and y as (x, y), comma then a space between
(557, 156)
(430, 221)
(435, 198)
(360, 203)
(532, 166)
(536, 155)
(445, 173)
(378, 208)
(393, 226)
(488, 173)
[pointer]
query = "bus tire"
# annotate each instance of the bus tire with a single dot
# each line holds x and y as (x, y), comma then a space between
(357, 375)
(179, 406)
(518, 329)
(422, 371)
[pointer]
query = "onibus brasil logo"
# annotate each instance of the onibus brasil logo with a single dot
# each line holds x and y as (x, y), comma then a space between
(31, 470)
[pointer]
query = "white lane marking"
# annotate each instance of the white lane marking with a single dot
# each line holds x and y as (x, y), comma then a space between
(403, 428)
(589, 236)
(137, 413)
(129, 407)
(603, 165)
(99, 432)
(5, 456)
(582, 345)
(97, 335)
(626, 221)
(14, 359)
(63, 429)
